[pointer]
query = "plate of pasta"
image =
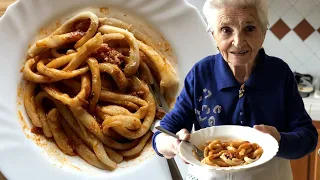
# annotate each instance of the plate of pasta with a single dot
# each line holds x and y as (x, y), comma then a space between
(80, 83)
(229, 148)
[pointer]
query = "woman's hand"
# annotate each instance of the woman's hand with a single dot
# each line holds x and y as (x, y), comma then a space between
(270, 130)
(168, 145)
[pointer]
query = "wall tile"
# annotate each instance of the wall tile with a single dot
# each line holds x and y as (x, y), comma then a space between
(270, 2)
(313, 65)
(294, 45)
(317, 2)
(271, 41)
(290, 41)
(313, 42)
(280, 7)
(296, 25)
(314, 18)
(302, 69)
(293, 2)
(302, 52)
(304, 7)
(292, 18)
(318, 55)
(278, 52)
(280, 29)
(292, 61)
(304, 29)
(273, 17)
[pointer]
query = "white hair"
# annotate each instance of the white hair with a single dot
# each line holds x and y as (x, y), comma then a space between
(211, 8)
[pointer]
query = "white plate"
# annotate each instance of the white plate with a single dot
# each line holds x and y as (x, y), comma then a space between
(25, 156)
(225, 133)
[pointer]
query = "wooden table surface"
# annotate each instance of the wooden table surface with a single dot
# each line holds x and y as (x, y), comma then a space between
(3, 6)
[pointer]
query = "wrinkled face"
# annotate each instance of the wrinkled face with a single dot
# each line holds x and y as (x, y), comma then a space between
(238, 34)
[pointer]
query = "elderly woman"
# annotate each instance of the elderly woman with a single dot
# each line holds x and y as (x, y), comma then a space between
(244, 86)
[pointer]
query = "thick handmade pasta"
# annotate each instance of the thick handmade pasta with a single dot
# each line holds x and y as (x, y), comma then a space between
(88, 88)
(231, 153)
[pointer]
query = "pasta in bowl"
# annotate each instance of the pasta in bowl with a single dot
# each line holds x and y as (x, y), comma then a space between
(229, 148)
(231, 153)
(27, 22)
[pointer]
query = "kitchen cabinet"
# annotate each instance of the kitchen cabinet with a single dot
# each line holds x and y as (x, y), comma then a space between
(308, 167)
(2, 177)
(300, 168)
(314, 159)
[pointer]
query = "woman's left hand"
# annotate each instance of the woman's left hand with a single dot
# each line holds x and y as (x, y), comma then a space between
(270, 130)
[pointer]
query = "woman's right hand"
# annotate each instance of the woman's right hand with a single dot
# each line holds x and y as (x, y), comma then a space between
(168, 145)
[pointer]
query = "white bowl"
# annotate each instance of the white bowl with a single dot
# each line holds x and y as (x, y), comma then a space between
(26, 156)
(225, 133)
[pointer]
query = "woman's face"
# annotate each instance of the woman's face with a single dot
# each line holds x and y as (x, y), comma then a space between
(238, 34)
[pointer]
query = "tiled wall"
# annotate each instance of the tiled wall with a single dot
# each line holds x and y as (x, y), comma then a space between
(294, 34)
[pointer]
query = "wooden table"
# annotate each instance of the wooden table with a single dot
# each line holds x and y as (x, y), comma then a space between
(3, 6)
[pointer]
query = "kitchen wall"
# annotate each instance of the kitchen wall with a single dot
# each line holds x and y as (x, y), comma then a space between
(294, 33)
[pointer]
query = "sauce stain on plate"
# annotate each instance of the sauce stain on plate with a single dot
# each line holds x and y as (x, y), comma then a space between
(105, 10)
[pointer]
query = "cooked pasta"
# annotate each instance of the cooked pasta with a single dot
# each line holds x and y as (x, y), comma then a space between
(88, 88)
(231, 153)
